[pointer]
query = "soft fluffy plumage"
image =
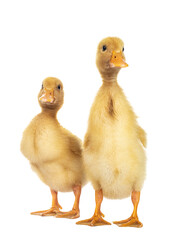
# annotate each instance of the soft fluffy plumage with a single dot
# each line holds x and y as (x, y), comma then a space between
(54, 153)
(113, 153)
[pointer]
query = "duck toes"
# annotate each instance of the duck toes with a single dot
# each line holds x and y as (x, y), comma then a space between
(54, 153)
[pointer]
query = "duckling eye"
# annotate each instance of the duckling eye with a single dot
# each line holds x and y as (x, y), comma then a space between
(123, 49)
(104, 47)
(59, 87)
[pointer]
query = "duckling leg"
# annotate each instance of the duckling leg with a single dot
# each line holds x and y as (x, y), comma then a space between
(75, 212)
(96, 219)
(53, 210)
(132, 221)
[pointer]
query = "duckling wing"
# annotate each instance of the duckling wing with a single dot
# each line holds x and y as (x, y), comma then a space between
(75, 145)
(142, 135)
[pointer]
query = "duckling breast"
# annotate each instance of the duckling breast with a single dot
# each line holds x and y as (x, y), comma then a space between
(41, 141)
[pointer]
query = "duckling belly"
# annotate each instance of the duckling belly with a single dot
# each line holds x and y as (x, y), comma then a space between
(57, 176)
(117, 166)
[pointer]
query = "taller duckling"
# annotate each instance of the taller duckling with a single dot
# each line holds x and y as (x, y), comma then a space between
(54, 153)
(114, 155)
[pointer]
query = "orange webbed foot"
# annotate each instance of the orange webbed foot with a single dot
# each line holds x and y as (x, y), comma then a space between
(71, 214)
(130, 222)
(53, 210)
(50, 212)
(96, 220)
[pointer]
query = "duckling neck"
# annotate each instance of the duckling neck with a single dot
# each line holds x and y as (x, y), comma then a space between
(49, 113)
(109, 77)
(109, 80)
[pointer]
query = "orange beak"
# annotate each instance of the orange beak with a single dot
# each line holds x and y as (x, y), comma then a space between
(117, 60)
(47, 96)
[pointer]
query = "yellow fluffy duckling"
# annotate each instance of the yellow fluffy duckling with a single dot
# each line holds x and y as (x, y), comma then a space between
(114, 155)
(54, 153)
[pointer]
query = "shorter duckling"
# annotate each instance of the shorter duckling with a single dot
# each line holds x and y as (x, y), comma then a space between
(55, 154)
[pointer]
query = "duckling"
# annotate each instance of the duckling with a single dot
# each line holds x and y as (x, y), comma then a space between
(114, 155)
(54, 153)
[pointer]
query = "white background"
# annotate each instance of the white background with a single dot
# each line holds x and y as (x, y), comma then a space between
(59, 38)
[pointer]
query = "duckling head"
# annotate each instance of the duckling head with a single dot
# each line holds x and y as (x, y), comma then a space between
(51, 95)
(110, 58)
